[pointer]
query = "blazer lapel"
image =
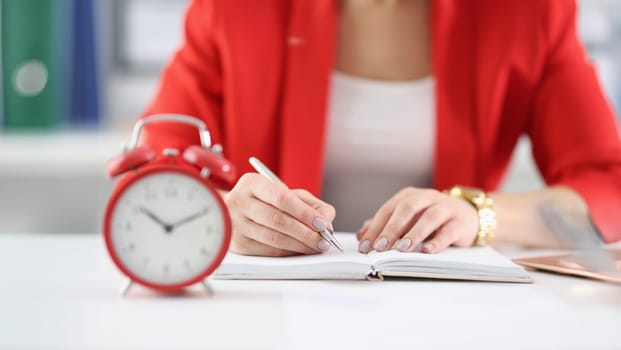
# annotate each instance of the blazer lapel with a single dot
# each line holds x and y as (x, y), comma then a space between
(309, 61)
(310, 40)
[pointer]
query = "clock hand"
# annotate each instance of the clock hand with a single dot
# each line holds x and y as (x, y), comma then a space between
(167, 227)
(190, 218)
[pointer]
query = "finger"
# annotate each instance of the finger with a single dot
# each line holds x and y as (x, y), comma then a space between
(399, 223)
(326, 210)
(365, 227)
(280, 222)
(252, 190)
(273, 238)
(418, 199)
(377, 224)
(444, 237)
(243, 245)
(429, 221)
(287, 201)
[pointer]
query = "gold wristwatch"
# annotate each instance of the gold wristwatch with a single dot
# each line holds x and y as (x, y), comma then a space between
(485, 208)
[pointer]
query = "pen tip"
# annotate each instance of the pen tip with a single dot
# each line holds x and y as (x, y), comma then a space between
(337, 245)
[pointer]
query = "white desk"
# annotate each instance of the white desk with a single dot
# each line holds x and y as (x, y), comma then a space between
(61, 292)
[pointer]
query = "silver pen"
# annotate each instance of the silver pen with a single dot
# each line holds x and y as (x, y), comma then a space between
(262, 169)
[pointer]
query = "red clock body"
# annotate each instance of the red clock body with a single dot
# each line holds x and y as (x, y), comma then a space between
(166, 226)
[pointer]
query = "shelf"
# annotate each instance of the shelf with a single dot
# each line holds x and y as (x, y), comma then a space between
(58, 154)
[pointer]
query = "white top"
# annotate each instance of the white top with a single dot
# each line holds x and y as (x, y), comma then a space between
(380, 139)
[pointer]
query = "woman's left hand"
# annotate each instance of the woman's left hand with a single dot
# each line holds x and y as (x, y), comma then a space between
(416, 215)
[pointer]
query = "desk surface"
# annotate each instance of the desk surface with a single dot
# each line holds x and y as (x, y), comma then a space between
(61, 292)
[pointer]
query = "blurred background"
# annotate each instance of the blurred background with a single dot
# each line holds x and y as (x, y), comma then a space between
(76, 73)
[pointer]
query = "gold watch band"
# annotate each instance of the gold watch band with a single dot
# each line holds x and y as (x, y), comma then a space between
(485, 208)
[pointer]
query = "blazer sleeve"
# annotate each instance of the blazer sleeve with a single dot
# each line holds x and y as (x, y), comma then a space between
(191, 84)
(574, 134)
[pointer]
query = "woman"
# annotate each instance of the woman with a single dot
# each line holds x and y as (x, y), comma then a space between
(381, 105)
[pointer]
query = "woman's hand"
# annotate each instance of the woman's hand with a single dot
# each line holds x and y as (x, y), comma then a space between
(415, 215)
(269, 219)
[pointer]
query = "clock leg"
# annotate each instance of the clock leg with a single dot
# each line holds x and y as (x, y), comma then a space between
(207, 287)
(125, 287)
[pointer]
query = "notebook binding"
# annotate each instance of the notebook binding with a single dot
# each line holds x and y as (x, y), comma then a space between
(375, 275)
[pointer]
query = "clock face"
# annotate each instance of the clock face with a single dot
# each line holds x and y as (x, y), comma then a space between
(167, 228)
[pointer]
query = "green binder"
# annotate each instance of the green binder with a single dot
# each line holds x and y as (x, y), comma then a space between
(35, 60)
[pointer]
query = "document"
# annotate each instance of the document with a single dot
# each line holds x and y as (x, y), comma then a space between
(580, 263)
(476, 263)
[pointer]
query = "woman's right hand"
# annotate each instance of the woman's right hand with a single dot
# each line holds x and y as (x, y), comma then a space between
(271, 220)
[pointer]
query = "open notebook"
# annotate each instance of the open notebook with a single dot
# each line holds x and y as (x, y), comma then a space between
(480, 263)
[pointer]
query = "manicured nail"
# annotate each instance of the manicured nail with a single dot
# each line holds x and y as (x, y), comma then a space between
(323, 246)
(404, 244)
(429, 247)
(331, 227)
(381, 244)
(364, 246)
(319, 224)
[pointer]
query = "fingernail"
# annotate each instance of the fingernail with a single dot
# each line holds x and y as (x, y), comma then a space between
(319, 224)
(323, 246)
(404, 244)
(429, 246)
(331, 227)
(381, 244)
(364, 246)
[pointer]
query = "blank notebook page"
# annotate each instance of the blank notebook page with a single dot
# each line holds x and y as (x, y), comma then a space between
(319, 265)
(452, 256)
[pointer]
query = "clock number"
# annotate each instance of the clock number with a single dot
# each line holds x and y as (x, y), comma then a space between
(127, 226)
(150, 195)
(130, 248)
(166, 269)
(120, 226)
(170, 192)
(211, 230)
(192, 193)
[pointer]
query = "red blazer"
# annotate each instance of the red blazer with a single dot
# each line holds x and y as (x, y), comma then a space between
(257, 72)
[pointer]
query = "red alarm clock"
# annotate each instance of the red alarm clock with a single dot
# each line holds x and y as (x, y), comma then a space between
(166, 227)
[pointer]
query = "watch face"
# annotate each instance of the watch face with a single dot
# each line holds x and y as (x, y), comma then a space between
(167, 228)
